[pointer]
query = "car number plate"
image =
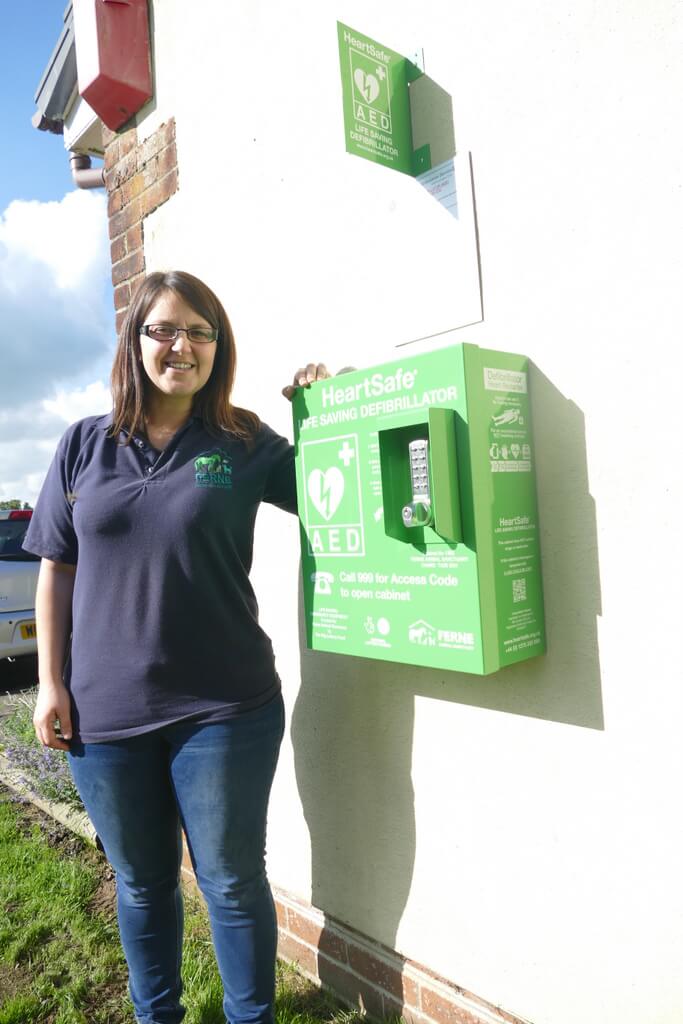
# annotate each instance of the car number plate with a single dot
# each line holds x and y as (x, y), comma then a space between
(28, 630)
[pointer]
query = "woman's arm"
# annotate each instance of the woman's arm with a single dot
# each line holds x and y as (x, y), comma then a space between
(53, 627)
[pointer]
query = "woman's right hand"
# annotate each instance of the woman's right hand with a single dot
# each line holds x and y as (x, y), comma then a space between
(53, 706)
(54, 595)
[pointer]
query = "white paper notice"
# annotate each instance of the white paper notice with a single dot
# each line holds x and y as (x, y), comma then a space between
(440, 183)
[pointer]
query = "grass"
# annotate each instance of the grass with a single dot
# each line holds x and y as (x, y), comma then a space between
(60, 957)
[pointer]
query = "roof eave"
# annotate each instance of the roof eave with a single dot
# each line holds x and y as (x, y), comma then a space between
(56, 89)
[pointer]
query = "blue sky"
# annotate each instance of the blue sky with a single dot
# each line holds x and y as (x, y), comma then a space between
(34, 164)
(56, 309)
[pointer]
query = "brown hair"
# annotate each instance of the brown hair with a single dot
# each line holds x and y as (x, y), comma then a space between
(129, 381)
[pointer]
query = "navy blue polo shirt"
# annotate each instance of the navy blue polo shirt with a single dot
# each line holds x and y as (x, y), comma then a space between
(165, 621)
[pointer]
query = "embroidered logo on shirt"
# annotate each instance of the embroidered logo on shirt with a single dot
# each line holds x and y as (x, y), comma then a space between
(213, 469)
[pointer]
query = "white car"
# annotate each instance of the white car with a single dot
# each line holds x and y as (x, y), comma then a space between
(18, 578)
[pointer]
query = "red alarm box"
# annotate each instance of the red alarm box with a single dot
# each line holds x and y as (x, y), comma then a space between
(113, 57)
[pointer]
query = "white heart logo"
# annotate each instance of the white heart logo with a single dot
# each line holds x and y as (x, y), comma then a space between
(367, 85)
(326, 490)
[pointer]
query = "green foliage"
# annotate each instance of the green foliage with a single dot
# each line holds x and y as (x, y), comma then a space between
(44, 771)
(19, 723)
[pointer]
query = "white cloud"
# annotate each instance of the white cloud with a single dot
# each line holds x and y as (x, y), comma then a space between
(56, 329)
(56, 312)
(92, 400)
(30, 434)
(24, 458)
(67, 237)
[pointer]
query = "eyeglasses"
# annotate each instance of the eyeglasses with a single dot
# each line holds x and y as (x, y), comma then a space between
(167, 333)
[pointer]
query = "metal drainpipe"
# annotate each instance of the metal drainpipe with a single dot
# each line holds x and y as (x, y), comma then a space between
(83, 173)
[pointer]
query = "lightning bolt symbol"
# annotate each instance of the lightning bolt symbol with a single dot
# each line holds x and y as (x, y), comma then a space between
(325, 500)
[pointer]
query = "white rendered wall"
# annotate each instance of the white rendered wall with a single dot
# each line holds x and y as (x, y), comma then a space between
(520, 834)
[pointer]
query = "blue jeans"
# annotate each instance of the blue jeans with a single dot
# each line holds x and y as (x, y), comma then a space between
(215, 781)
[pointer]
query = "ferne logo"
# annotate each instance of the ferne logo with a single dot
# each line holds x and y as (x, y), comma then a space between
(213, 469)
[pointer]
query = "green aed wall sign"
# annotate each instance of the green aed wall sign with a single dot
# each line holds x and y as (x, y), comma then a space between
(376, 102)
(417, 503)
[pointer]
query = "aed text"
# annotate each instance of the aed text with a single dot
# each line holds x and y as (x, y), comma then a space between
(368, 116)
(335, 540)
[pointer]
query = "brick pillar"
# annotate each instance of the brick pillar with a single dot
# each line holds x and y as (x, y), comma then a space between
(139, 177)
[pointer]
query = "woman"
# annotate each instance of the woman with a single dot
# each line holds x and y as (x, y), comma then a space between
(169, 705)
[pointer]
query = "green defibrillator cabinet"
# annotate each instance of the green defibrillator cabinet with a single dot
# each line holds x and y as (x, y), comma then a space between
(417, 502)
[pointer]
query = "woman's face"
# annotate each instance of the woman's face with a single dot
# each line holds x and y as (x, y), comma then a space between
(177, 369)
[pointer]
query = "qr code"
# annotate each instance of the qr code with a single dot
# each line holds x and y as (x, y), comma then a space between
(519, 590)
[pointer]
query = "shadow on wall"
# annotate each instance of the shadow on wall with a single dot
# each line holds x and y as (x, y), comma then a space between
(352, 728)
(563, 685)
(352, 732)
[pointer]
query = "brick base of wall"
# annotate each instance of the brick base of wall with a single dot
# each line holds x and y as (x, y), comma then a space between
(366, 975)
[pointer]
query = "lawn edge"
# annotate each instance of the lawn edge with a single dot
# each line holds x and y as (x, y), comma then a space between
(77, 821)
